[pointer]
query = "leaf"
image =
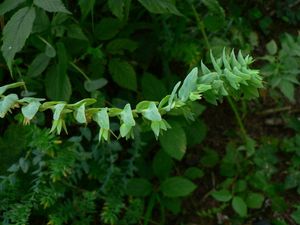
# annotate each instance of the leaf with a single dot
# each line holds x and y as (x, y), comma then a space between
(195, 132)
(9, 86)
(93, 85)
(222, 195)
(117, 46)
(58, 86)
(210, 158)
(80, 114)
(31, 109)
(160, 6)
(107, 28)
(271, 47)
(16, 32)
(214, 7)
(162, 165)
(296, 215)
(177, 187)
(152, 113)
(51, 5)
(255, 200)
(9, 5)
(173, 142)
(152, 87)
(7, 103)
(139, 187)
(38, 65)
(117, 8)
(288, 89)
(193, 173)
(123, 74)
(239, 206)
(24, 164)
(86, 6)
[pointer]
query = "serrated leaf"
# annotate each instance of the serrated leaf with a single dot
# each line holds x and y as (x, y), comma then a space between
(173, 142)
(123, 74)
(239, 206)
(51, 5)
(16, 32)
(177, 187)
(222, 195)
(38, 65)
(9, 5)
(139, 187)
(160, 6)
(86, 6)
(117, 7)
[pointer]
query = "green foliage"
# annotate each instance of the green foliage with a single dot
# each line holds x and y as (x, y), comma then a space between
(108, 74)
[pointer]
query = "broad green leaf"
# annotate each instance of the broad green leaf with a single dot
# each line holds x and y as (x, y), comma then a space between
(123, 74)
(117, 46)
(271, 47)
(7, 103)
(255, 200)
(222, 195)
(9, 5)
(173, 142)
(193, 173)
(86, 6)
(177, 187)
(195, 132)
(239, 205)
(139, 187)
(152, 87)
(189, 85)
(51, 5)
(209, 158)
(117, 8)
(162, 165)
(38, 65)
(93, 85)
(160, 6)
(75, 31)
(58, 86)
(16, 32)
(288, 89)
(107, 28)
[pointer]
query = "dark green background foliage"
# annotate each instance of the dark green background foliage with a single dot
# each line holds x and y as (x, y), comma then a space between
(121, 62)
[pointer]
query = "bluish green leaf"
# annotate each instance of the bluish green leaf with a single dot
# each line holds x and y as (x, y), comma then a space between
(31, 109)
(9, 86)
(51, 5)
(177, 187)
(80, 114)
(189, 85)
(123, 74)
(16, 32)
(7, 103)
(93, 85)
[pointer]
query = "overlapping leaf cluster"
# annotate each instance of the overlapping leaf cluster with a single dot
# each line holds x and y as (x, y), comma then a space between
(231, 76)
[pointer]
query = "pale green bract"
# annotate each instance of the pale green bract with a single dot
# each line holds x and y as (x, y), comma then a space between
(231, 76)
